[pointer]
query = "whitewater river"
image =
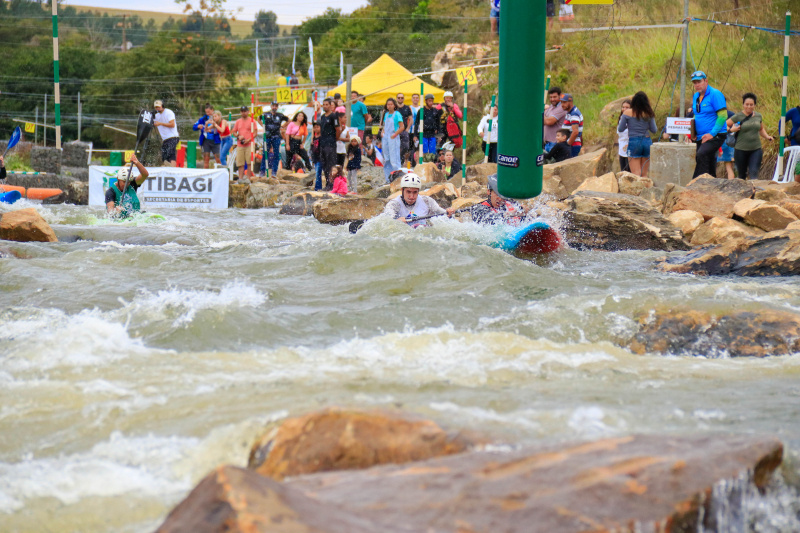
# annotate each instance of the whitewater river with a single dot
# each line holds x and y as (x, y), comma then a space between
(135, 360)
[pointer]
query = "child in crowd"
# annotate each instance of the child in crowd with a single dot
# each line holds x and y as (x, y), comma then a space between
(315, 156)
(369, 148)
(561, 150)
(353, 164)
(339, 181)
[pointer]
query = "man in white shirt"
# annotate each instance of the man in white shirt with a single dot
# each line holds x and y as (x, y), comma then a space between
(165, 121)
(489, 137)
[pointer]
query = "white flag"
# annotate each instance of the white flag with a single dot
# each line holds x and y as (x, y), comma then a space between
(258, 65)
(341, 68)
(294, 57)
(311, 55)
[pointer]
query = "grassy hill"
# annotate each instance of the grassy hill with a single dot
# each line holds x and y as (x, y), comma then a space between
(239, 28)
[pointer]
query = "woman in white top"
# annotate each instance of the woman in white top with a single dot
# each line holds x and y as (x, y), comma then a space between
(488, 136)
(624, 165)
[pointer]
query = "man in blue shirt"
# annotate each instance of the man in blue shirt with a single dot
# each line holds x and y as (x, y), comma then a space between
(793, 116)
(710, 114)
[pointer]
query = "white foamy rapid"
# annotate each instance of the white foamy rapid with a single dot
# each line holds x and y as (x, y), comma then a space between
(136, 358)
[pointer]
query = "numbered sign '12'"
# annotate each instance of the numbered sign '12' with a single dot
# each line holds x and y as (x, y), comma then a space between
(466, 74)
(284, 96)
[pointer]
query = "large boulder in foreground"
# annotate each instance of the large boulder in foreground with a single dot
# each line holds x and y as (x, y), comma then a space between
(720, 230)
(26, 225)
(614, 222)
(337, 439)
(345, 210)
(634, 483)
(574, 171)
(604, 183)
(303, 203)
(713, 197)
(774, 254)
(237, 194)
(740, 334)
(763, 215)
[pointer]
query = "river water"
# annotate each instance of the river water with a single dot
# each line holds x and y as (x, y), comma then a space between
(138, 358)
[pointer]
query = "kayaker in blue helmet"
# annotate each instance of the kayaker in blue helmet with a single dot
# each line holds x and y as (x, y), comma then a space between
(114, 193)
(497, 209)
(410, 205)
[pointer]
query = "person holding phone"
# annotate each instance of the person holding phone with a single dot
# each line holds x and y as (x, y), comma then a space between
(749, 129)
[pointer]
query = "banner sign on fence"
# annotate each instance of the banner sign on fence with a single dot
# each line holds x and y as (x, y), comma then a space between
(167, 187)
(679, 126)
(30, 127)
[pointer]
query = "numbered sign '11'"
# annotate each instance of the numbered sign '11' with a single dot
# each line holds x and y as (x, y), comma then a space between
(299, 96)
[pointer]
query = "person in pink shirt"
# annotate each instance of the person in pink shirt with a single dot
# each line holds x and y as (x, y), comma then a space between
(296, 133)
(339, 181)
(243, 130)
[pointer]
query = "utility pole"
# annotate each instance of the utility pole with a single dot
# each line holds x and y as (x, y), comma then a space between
(79, 116)
(44, 130)
(349, 92)
(124, 41)
(682, 110)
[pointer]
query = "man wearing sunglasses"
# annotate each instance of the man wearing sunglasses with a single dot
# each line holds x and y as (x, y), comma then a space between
(710, 114)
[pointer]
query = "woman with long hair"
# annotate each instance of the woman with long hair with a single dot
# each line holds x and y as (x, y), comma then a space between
(639, 120)
(392, 128)
(622, 141)
(296, 133)
(749, 129)
(224, 130)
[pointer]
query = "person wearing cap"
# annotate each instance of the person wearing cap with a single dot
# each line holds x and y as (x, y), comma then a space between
(410, 205)
(165, 122)
(330, 129)
(114, 203)
(243, 130)
(430, 125)
(573, 121)
(449, 120)
(710, 115)
(272, 133)
(497, 209)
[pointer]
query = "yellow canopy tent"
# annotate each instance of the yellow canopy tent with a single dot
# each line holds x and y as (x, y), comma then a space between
(385, 78)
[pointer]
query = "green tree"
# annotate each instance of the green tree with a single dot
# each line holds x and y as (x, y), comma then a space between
(265, 26)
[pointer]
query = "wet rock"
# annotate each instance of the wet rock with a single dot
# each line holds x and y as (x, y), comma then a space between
(56, 199)
(463, 203)
(345, 210)
(740, 334)
(261, 195)
(770, 195)
(553, 186)
(719, 230)
(687, 221)
(371, 174)
(336, 439)
(235, 500)
(77, 193)
(634, 483)
(574, 171)
(605, 183)
(713, 197)
(762, 215)
(381, 192)
(303, 203)
(654, 195)
(632, 184)
(443, 193)
(613, 222)
(428, 172)
(671, 194)
(473, 189)
(480, 173)
(791, 188)
(237, 194)
(26, 225)
(300, 179)
(774, 254)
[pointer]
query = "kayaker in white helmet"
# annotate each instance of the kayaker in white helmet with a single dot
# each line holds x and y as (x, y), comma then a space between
(410, 205)
(113, 197)
(497, 209)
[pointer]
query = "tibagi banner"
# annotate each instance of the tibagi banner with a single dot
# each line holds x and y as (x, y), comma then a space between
(167, 187)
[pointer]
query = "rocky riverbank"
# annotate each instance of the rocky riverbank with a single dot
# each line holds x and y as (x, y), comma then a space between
(366, 471)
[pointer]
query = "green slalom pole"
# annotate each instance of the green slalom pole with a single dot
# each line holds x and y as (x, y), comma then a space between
(486, 154)
(56, 80)
(783, 92)
(546, 88)
(522, 41)
(421, 117)
(464, 137)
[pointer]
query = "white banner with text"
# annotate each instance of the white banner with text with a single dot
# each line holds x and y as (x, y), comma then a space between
(680, 126)
(167, 187)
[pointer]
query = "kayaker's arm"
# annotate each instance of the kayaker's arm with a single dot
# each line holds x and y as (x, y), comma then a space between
(143, 174)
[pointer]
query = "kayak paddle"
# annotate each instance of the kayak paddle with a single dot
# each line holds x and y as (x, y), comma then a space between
(12, 142)
(143, 128)
(356, 225)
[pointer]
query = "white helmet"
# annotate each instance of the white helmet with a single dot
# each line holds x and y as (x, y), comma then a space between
(410, 181)
(122, 174)
(448, 93)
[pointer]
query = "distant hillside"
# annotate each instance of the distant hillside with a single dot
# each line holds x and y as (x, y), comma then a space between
(239, 28)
